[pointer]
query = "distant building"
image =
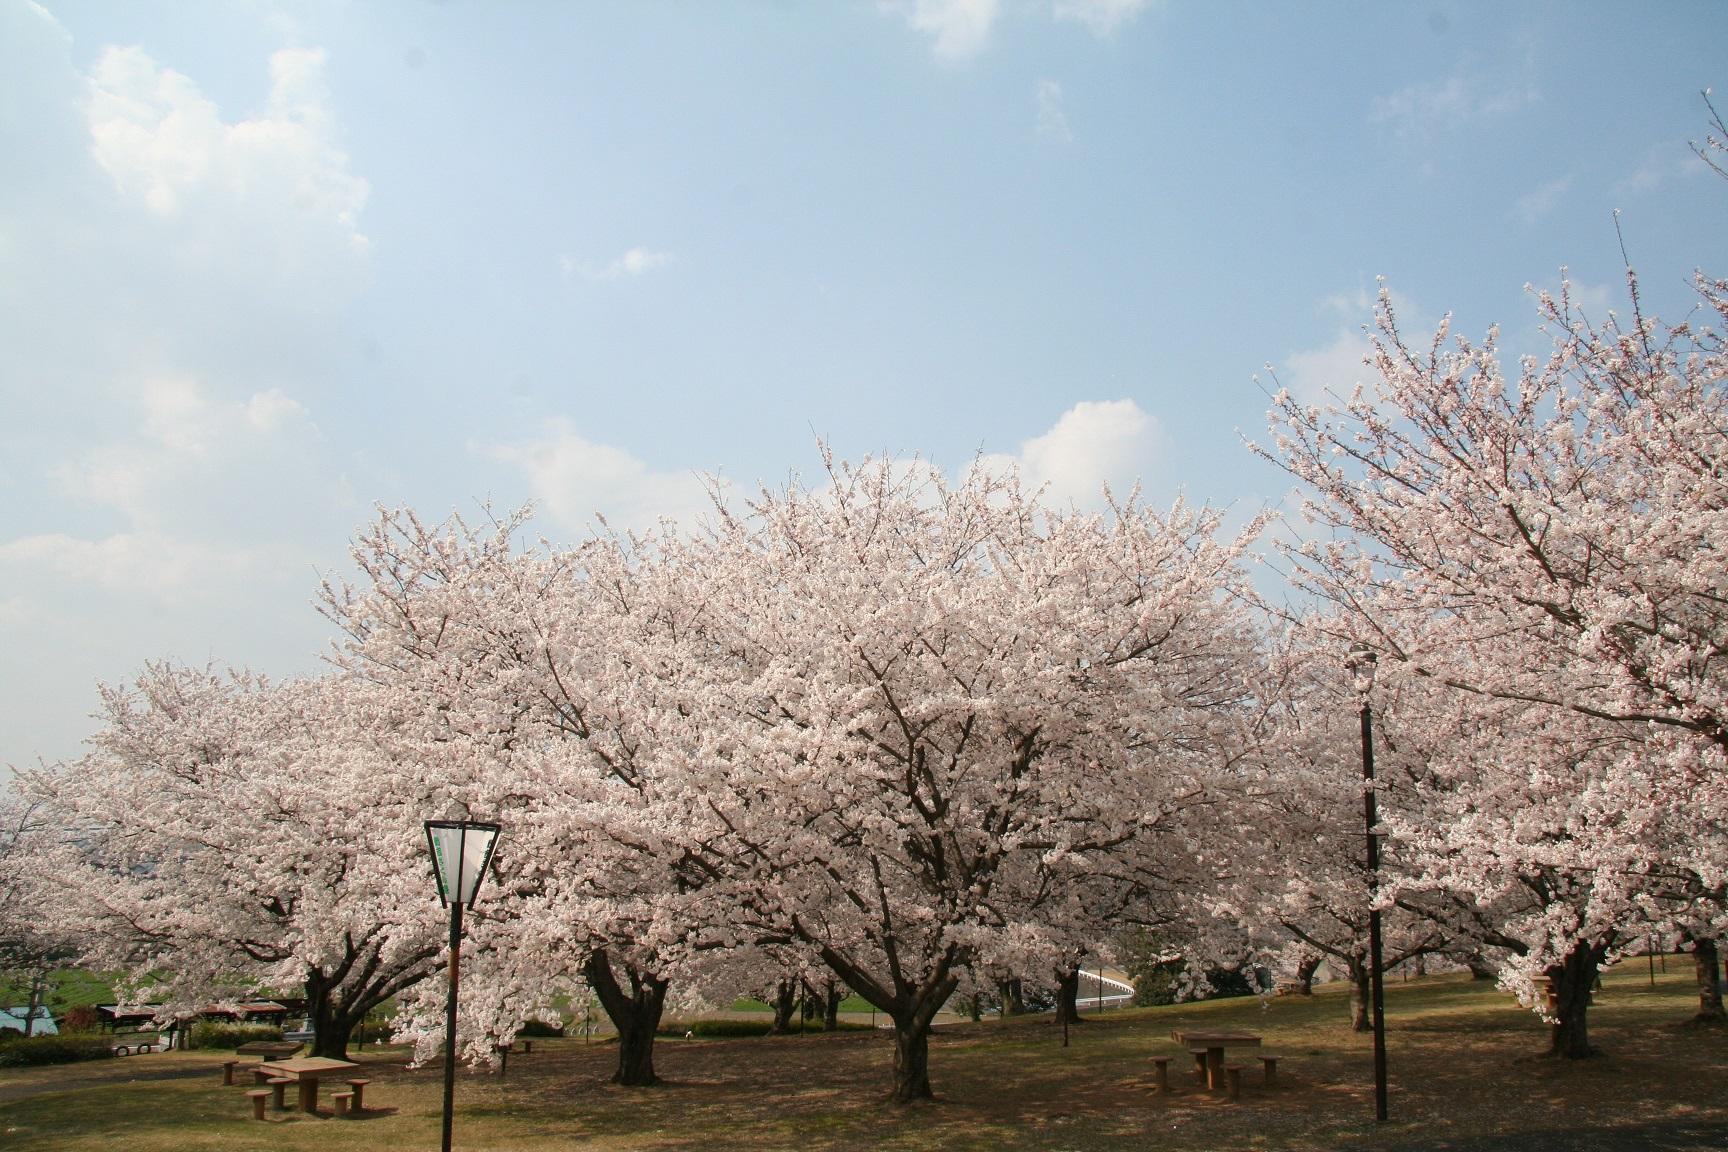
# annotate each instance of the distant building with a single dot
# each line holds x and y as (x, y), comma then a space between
(15, 1018)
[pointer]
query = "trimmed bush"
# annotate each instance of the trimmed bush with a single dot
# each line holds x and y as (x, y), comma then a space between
(81, 1018)
(533, 1028)
(25, 1051)
(212, 1034)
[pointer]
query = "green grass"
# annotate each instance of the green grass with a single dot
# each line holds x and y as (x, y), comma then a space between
(850, 1004)
(67, 988)
(1465, 1063)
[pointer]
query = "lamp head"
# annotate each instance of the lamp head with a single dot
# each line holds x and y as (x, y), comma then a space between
(461, 850)
(1361, 661)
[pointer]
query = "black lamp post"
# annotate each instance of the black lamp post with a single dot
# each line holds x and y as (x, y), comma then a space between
(1361, 662)
(461, 849)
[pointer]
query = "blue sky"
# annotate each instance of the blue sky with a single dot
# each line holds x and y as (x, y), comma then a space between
(265, 265)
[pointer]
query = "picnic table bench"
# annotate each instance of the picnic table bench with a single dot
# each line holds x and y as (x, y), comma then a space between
(306, 1070)
(1208, 1051)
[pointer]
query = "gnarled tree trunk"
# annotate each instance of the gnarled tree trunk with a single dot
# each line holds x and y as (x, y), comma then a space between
(912, 1008)
(832, 994)
(338, 999)
(1305, 975)
(1356, 969)
(1707, 961)
(1569, 984)
(1068, 996)
(634, 1013)
(1013, 997)
(784, 1003)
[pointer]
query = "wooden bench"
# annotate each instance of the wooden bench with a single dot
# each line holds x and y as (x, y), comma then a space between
(340, 1102)
(1162, 1064)
(279, 1085)
(258, 1096)
(357, 1088)
(1232, 1081)
(1270, 1064)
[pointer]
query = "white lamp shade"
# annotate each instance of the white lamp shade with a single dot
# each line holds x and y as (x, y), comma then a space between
(461, 849)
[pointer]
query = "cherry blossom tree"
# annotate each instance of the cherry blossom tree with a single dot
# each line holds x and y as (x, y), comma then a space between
(1301, 888)
(229, 835)
(1551, 548)
(550, 666)
(927, 710)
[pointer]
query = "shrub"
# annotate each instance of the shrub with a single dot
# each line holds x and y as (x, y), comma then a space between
(214, 1034)
(28, 1050)
(533, 1028)
(81, 1018)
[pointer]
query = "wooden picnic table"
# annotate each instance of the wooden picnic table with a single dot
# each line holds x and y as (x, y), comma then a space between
(269, 1049)
(306, 1070)
(1211, 1046)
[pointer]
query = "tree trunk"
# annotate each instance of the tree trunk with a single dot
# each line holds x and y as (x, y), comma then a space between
(1068, 996)
(831, 997)
(331, 1027)
(1569, 985)
(1013, 997)
(635, 1014)
(1356, 968)
(911, 1063)
(1479, 967)
(1305, 976)
(785, 1000)
(1708, 963)
(38, 986)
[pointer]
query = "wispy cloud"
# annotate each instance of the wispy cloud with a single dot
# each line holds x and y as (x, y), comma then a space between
(1415, 115)
(1102, 17)
(630, 264)
(1535, 204)
(958, 29)
(1052, 119)
(1663, 164)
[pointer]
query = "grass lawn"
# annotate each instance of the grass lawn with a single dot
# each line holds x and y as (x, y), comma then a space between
(1466, 1074)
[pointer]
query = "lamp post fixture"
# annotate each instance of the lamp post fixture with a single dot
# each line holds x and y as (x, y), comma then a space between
(1361, 662)
(461, 850)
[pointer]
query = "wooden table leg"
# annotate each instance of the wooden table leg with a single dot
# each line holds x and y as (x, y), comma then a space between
(309, 1095)
(1215, 1068)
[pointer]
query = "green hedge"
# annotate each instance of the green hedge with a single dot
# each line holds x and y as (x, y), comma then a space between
(210, 1034)
(540, 1028)
(23, 1051)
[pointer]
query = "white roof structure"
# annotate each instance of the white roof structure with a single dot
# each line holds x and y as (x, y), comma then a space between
(14, 1018)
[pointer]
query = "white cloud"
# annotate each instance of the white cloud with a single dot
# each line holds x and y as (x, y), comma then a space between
(1052, 121)
(1332, 371)
(574, 479)
(165, 143)
(1537, 203)
(958, 29)
(1102, 17)
(1418, 114)
(139, 565)
(1663, 164)
(1094, 443)
(635, 262)
(178, 282)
